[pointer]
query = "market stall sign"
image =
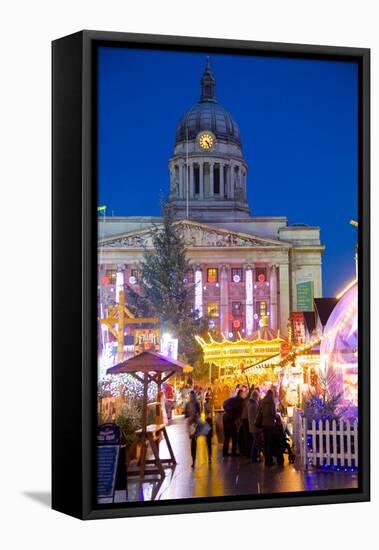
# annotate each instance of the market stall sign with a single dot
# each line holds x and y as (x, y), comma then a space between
(148, 339)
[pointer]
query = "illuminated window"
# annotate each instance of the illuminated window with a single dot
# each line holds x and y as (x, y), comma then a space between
(212, 309)
(212, 275)
(237, 274)
(260, 274)
(262, 308)
(111, 276)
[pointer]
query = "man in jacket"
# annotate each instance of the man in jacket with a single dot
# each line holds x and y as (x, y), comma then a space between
(232, 412)
(252, 411)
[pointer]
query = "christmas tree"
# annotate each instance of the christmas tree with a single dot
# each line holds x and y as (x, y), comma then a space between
(164, 286)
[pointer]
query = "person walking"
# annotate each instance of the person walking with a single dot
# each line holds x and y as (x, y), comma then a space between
(268, 419)
(208, 411)
(232, 412)
(252, 411)
(192, 413)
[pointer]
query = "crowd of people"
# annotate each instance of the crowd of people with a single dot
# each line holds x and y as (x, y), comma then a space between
(252, 426)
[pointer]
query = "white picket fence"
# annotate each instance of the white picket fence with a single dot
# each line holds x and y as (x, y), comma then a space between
(328, 443)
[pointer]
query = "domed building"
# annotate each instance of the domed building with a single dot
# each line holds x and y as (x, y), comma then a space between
(208, 172)
(244, 267)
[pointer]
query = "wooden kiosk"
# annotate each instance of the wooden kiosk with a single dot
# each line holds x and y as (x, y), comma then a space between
(150, 367)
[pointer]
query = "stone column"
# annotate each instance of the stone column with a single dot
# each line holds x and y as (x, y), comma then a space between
(224, 301)
(222, 190)
(284, 297)
(201, 179)
(191, 181)
(211, 179)
(231, 181)
(181, 181)
(273, 298)
(249, 294)
(199, 291)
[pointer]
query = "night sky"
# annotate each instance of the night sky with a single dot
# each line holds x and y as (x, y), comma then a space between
(298, 122)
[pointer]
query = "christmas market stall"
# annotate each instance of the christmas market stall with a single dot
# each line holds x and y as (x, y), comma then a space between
(150, 367)
(232, 360)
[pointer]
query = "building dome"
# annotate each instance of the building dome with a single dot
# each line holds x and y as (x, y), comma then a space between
(211, 116)
(207, 114)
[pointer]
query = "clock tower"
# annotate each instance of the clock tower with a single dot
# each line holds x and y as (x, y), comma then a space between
(207, 171)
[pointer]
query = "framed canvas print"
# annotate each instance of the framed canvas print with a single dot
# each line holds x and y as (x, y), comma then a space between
(210, 275)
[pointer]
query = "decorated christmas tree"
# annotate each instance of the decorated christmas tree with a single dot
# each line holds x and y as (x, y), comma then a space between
(164, 286)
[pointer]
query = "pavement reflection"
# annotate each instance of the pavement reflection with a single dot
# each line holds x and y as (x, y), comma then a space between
(225, 476)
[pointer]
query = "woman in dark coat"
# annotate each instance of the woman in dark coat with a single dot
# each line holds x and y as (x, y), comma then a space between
(268, 414)
(192, 413)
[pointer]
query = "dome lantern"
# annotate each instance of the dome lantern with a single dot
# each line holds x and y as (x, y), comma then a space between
(208, 84)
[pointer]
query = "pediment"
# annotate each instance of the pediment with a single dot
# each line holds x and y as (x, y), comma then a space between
(195, 235)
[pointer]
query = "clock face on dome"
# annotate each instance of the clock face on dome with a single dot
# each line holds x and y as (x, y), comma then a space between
(206, 140)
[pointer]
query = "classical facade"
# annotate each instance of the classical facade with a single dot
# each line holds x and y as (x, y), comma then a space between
(244, 268)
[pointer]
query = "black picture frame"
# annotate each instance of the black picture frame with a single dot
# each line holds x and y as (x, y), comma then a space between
(74, 362)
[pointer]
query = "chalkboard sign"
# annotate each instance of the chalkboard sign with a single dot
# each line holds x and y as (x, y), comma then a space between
(108, 450)
(107, 461)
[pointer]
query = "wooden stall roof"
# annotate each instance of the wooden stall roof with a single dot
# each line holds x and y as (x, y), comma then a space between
(147, 361)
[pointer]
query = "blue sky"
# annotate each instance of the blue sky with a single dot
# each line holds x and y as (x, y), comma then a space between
(298, 121)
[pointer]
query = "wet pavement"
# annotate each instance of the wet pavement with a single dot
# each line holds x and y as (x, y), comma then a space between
(225, 476)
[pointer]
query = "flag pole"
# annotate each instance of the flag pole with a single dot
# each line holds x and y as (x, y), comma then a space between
(187, 182)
